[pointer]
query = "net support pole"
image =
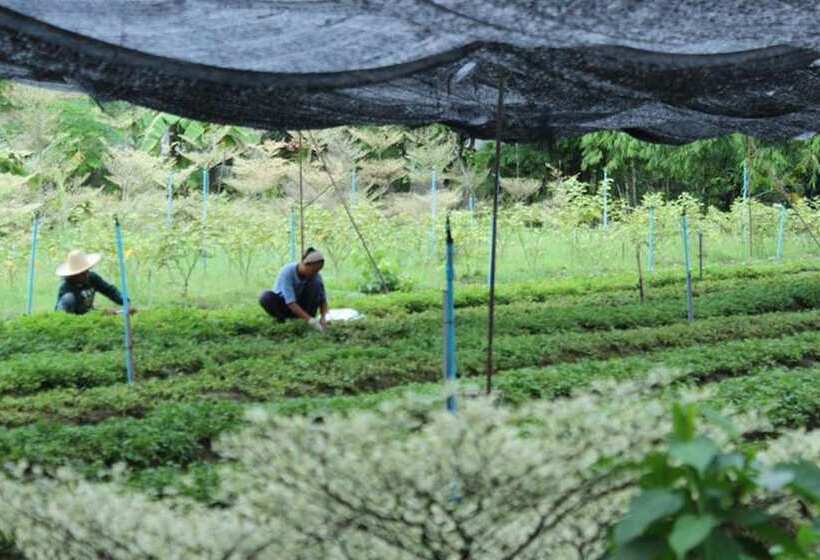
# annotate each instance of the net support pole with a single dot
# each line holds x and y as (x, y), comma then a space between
(471, 203)
(781, 228)
(126, 304)
(684, 232)
(700, 255)
(605, 189)
(169, 200)
(206, 191)
(301, 201)
(433, 201)
(650, 241)
(449, 325)
(353, 187)
(35, 226)
(499, 118)
(292, 235)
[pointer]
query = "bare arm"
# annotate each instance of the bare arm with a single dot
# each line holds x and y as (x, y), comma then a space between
(298, 311)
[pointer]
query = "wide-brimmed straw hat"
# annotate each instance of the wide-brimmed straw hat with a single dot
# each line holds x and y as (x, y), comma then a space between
(78, 262)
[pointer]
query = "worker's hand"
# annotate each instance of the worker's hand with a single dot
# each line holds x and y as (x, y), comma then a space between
(110, 311)
(316, 324)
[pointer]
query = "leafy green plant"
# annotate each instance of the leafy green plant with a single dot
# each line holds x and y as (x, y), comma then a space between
(703, 500)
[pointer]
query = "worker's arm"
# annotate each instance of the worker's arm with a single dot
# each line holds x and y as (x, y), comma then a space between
(298, 311)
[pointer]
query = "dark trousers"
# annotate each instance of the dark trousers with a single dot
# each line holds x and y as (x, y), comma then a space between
(310, 299)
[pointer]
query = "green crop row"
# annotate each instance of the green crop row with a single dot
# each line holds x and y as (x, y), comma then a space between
(172, 342)
(169, 327)
(180, 433)
(540, 291)
(349, 369)
(172, 434)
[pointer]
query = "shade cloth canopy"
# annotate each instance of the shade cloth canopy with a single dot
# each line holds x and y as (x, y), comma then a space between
(663, 70)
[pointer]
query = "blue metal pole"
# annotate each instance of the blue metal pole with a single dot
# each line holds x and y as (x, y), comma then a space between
(292, 236)
(780, 231)
(169, 200)
(745, 190)
(684, 231)
(35, 226)
(650, 257)
(449, 326)
(471, 202)
(126, 305)
(353, 187)
(606, 201)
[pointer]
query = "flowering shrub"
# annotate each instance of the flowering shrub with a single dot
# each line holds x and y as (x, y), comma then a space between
(546, 480)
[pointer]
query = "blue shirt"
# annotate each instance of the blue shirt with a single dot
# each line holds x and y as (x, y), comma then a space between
(290, 285)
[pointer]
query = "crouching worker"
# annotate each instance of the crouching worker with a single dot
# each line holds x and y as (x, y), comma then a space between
(80, 285)
(299, 292)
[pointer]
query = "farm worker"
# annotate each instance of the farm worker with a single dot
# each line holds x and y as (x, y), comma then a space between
(299, 292)
(80, 284)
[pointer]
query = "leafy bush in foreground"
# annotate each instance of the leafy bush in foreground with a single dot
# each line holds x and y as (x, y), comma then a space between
(547, 480)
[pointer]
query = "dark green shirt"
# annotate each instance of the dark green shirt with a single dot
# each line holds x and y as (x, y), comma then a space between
(84, 292)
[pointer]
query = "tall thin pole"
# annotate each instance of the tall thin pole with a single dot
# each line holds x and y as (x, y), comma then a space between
(206, 189)
(301, 202)
(650, 257)
(684, 232)
(605, 189)
(449, 325)
(353, 187)
(781, 226)
(126, 304)
(700, 255)
(35, 226)
(499, 119)
(169, 200)
(433, 201)
(292, 234)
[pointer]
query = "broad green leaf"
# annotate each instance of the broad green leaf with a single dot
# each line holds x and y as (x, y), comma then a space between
(683, 421)
(775, 478)
(647, 548)
(697, 453)
(689, 531)
(719, 546)
(721, 421)
(644, 510)
(806, 479)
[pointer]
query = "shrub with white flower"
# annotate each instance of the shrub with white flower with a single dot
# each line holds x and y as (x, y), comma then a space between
(546, 480)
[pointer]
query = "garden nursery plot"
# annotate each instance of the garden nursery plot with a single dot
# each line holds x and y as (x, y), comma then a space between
(64, 400)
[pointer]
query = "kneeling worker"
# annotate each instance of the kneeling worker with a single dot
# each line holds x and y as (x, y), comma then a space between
(299, 292)
(76, 294)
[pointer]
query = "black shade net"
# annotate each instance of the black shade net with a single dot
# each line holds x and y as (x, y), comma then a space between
(666, 71)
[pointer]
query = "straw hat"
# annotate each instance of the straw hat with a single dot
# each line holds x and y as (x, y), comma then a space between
(78, 262)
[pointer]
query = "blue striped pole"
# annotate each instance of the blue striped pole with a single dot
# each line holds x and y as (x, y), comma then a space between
(126, 304)
(684, 231)
(650, 257)
(35, 226)
(353, 187)
(780, 231)
(449, 326)
(169, 200)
